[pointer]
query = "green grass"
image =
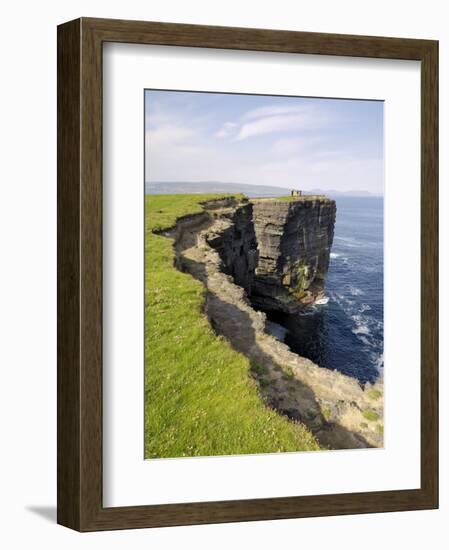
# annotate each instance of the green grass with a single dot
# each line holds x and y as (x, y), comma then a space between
(291, 198)
(288, 372)
(260, 370)
(326, 412)
(374, 394)
(372, 416)
(200, 398)
(288, 198)
(161, 211)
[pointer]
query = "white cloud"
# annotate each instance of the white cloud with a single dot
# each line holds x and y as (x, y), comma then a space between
(226, 130)
(343, 172)
(168, 135)
(176, 153)
(272, 119)
(277, 123)
(272, 110)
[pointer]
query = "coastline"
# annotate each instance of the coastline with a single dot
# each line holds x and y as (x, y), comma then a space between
(339, 411)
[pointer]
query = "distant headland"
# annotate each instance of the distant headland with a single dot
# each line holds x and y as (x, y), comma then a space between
(182, 187)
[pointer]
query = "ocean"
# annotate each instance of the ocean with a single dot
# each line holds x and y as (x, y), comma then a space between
(346, 334)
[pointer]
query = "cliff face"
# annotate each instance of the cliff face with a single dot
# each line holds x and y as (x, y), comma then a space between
(235, 241)
(278, 251)
(294, 240)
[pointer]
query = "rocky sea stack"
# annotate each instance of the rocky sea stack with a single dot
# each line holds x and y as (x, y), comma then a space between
(278, 250)
(294, 240)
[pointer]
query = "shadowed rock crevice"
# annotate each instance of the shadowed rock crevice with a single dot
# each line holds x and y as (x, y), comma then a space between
(331, 404)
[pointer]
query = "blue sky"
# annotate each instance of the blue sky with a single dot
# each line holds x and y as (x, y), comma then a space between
(292, 142)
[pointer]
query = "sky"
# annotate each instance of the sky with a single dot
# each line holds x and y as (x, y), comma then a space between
(293, 142)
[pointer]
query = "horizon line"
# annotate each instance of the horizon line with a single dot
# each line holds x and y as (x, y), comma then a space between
(262, 185)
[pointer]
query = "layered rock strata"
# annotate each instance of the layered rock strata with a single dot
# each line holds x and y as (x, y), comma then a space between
(294, 240)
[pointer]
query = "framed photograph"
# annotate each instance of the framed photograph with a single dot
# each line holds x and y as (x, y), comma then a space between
(247, 274)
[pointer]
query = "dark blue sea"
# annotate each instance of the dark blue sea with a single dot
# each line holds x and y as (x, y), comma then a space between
(347, 333)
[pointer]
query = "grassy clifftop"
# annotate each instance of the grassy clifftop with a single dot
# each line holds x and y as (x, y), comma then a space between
(200, 398)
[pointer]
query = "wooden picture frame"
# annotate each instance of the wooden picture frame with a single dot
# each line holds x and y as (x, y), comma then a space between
(80, 504)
